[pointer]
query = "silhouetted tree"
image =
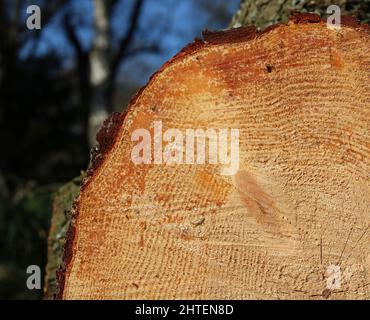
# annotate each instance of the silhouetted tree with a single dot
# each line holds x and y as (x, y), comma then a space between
(99, 64)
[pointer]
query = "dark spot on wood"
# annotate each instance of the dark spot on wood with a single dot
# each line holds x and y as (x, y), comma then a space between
(326, 293)
(269, 68)
(198, 222)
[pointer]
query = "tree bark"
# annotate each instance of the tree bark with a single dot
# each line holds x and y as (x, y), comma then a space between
(263, 13)
(61, 217)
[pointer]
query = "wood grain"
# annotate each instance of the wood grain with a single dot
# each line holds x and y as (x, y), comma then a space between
(300, 95)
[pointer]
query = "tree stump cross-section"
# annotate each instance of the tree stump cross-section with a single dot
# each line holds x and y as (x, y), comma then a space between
(291, 223)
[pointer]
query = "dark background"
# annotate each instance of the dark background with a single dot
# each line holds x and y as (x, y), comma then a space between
(46, 100)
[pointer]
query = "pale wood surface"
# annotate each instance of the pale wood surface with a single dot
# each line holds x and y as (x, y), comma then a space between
(299, 202)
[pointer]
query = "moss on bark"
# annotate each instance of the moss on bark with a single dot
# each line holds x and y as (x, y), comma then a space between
(263, 13)
(62, 204)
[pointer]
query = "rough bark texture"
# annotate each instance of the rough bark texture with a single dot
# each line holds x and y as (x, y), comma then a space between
(263, 13)
(300, 96)
(61, 217)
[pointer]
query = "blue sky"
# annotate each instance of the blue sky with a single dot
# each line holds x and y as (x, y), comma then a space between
(170, 23)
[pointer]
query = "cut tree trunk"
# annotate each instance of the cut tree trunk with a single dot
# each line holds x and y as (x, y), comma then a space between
(293, 222)
(254, 12)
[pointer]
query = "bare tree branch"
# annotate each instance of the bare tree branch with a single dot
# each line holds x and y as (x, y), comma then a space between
(50, 9)
(126, 40)
(82, 60)
(72, 36)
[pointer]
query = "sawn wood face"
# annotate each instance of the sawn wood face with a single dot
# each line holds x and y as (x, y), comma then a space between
(299, 204)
